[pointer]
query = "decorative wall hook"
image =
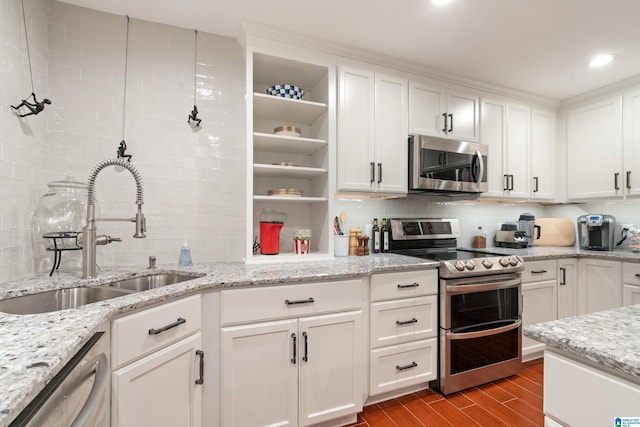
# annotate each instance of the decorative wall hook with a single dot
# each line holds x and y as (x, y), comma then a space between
(193, 117)
(34, 107)
(122, 151)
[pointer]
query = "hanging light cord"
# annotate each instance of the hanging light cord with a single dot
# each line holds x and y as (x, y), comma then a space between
(26, 37)
(126, 63)
(195, 67)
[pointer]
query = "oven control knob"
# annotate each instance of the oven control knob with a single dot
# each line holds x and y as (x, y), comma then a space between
(487, 264)
(513, 262)
(459, 265)
(470, 265)
(504, 262)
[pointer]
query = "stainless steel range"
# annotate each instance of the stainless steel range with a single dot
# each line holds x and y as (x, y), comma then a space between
(480, 303)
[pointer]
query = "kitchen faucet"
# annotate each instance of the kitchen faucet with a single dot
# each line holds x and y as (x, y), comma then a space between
(89, 237)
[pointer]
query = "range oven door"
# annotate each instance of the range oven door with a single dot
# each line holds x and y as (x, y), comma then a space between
(446, 165)
(480, 331)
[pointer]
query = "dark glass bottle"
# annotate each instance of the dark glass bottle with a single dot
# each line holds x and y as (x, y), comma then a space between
(376, 236)
(384, 236)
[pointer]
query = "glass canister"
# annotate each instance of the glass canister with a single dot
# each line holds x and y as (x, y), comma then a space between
(61, 214)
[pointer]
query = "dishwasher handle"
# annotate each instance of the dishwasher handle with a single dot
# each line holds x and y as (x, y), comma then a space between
(99, 367)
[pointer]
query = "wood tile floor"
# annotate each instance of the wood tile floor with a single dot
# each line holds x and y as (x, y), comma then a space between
(513, 401)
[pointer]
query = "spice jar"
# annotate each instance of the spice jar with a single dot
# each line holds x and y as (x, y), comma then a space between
(480, 239)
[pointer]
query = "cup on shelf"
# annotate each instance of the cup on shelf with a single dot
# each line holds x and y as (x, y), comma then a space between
(302, 241)
(340, 245)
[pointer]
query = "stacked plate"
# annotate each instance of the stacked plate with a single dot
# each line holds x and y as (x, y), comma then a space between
(286, 91)
(285, 192)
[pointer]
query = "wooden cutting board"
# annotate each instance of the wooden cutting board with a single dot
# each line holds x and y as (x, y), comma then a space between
(556, 232)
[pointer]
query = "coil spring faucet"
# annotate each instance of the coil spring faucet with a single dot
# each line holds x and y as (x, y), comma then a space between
(89, 237)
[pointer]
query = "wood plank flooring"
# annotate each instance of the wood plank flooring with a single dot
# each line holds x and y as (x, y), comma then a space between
(513, 401)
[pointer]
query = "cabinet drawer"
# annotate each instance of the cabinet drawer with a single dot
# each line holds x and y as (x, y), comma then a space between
(404, 284)
(279, 302)
(403, 365)
(631, 273)
(399, 321)
(144, 332)
(538, 271)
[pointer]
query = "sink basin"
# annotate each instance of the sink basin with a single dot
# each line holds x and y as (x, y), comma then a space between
(60, 299)
(153, 281)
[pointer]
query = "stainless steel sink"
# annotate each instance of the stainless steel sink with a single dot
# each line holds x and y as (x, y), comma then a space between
(60, 299)
(153, 281)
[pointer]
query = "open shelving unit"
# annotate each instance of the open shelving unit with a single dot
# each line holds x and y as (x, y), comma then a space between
(283, 161)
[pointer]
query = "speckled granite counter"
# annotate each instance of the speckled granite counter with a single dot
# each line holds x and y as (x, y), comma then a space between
(33, 348)
(610, 338)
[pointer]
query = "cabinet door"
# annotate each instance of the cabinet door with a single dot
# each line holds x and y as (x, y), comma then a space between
(630, 295)
(259, 375)
(631, 135)
(464, 119)
(330, 356)
(517, 150)
(391, 136)
(567, 283)
(543, 131)
(600, 285)
(494, 134)
(539, 304)
(160, 389)
(356, 162)
(427, 103)
(594, 150)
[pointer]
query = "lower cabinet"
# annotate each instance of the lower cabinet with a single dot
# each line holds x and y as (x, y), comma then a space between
(298, 371)
(567, 287)
(599, 285)
(158, 366)
(630, 284)
(539, 300)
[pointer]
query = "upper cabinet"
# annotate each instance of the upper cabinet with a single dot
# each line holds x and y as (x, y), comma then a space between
(594, 150)
(442, 112)
(299, 159)
(631, 142)
(372, 132)
(521, 141)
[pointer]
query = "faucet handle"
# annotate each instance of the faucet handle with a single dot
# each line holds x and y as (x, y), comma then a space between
(104, 239)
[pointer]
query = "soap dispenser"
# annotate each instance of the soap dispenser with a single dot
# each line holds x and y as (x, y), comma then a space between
(185, 255)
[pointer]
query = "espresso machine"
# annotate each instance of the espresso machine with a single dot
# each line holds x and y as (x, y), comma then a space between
(596, 232)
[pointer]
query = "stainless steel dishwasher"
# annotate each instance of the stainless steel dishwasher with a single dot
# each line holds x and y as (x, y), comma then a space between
(79, 395)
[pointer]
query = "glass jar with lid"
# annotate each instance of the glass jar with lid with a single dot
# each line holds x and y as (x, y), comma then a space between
(59, 216)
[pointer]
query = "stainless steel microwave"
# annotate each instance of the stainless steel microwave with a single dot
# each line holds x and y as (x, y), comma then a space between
(447, 166)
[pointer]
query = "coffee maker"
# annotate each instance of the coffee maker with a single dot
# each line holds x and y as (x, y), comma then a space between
(527, 223)
(596, 232)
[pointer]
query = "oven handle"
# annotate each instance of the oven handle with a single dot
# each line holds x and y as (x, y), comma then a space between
(484, 286)
(480, 334)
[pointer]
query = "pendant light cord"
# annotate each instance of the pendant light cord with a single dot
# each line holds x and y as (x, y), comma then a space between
(195, 68)
(126, 64)
(26, 37)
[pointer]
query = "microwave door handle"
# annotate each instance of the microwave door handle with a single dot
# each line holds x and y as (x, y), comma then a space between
(481, 162)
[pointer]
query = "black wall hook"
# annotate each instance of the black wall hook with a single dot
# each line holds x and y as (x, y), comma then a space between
(193, 117)
(34, 107)
(121, 151)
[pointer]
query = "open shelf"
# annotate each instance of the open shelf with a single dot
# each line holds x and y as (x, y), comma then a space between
(286, 144)
(294, 110)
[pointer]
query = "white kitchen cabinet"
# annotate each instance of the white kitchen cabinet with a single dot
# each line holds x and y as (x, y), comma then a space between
(372, 132)
(506, 129)
(539, 300)
(574, 391)
(277, 161)
(159, 366)
(294, 362)
(404, 330)
(631, 142)
(630, 283)
(594, 150)
(567, 287)
(599, 285)
(542, 157)
(443, 112)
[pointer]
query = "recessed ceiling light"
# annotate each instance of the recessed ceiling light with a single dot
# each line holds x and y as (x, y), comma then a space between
(601, 60)
(441, 2)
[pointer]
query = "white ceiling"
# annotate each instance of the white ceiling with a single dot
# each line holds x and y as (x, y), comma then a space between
(535, 46)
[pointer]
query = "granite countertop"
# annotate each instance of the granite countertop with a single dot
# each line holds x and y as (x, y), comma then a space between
(33, 348)
(610, 339)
